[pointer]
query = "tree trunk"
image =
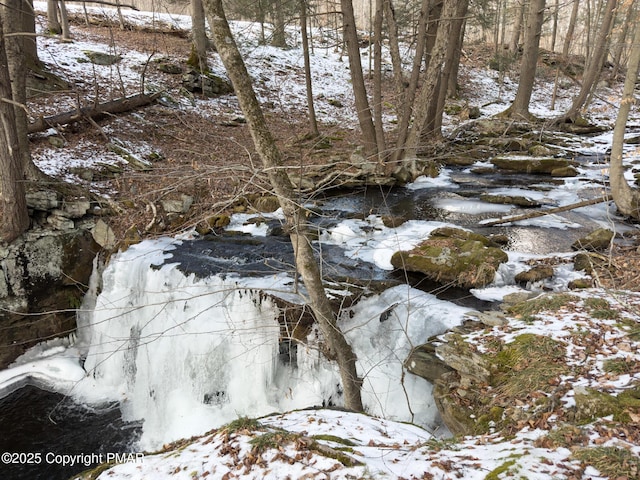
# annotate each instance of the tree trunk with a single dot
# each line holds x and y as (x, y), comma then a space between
(394, 51)
(313, 122)
(628, 20)
(15, 218)
(19, 50)
(626, 198)
(410, 94)
(64, 18)
(357, 79)
(53, 21)
(305, 261)
(431, 77)
(377, 79)
(279, 38)
(566, 47)
(198, 58)
(433, 128)
(517, 27)
(594, 68)
(554, 30)
(519, 109)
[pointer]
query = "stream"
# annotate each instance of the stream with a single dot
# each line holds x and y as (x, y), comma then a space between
(34, 420)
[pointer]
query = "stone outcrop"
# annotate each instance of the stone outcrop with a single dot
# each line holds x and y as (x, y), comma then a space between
(453, 256)
(598, 240)
(45, 272)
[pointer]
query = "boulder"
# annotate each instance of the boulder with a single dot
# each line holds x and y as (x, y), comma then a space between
(453, 256)
(597, 240)
(423, 362)
(535, 274)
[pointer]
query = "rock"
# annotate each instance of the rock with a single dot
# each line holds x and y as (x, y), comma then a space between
(60, 222)
(535, 274)
(568, 171)
(181, 205)
(76, 208)
(455, 256)
(423, 362)
(43, 200)
(43, 276)
(56, 141)
(170, 68)
(532, 164)
(208, 84)
(101, 58)
(266, 203)
(517, 297)
(539, 150)
(510, 200)
(103, 235)
(460, 356)
(597, 240)
(492, 318)
(580, 283)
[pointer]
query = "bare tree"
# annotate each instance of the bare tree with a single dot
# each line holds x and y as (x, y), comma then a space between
(271, 158)
(15, 218)
(594, 67)
(517, 26)
(198, 57)
(626, 198)
(528, 65)
(363, 109)
(313, 121)
(568, 38)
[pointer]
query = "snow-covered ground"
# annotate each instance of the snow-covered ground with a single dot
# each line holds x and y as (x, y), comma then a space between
(134, 332)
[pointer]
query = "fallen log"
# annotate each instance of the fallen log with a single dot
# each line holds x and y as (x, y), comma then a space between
(94, 112)
(542, 213)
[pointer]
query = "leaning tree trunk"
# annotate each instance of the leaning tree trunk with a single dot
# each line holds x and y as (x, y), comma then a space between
(15, 218)
(628, 20)
(571, 27)
(377, 79)
(363, 110)
(305, 261)
(626, 198)
(519, 109)
(394, 52)
(594, 68)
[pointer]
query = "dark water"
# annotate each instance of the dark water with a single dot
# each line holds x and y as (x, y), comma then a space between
(46, 426)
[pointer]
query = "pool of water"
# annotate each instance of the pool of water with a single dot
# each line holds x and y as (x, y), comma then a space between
(43, 430)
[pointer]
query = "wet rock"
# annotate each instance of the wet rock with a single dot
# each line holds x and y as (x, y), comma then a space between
(535, 274)
(520, 201)
(532, 164)
(461, 357)
(567, 171)
(453, 256)
(597, 240)
(103, 235)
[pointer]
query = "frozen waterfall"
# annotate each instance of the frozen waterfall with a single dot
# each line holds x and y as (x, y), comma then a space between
(186, 355)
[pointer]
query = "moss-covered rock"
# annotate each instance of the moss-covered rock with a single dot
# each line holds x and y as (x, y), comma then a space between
(597, 240)
(454, 256)
(535, 274)
(592, 404)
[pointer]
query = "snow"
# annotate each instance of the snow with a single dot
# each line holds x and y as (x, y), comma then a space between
(188, 355)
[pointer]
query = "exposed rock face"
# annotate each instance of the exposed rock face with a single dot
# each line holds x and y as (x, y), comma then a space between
(43, 277)
(45, 273)
(453, 256)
